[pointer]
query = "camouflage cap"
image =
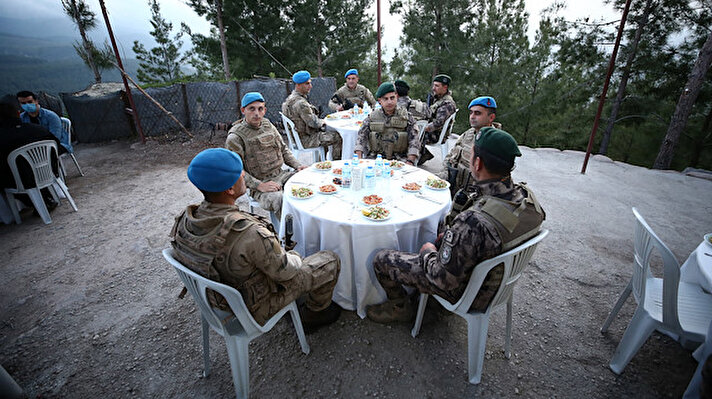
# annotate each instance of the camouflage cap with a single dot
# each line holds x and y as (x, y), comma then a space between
(444, 79)
(385, 87)
(498, 143)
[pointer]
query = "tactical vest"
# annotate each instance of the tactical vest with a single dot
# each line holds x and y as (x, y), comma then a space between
(418, 109)
(434, 107)
(356, 96)
(289, 110)
(515, 223)
(207, 254)
(388, 137)
(263, 156)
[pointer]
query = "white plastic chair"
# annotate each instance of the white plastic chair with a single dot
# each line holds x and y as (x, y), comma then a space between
(295, 143)
(39, 156)
(445, 132)
(239, 331)
(67, 127)
(664, 304)
(254, 204)
(514, 260)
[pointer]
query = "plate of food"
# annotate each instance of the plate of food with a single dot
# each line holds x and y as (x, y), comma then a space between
(323, 166)
(337, 181)
(345, 116)
(435, 183)
(708, 239)
(411, 187)
(396, 165)
(327, 189)
(336, 171)
(376, 213)
(372, 199)
(302, 192)
(331, 116)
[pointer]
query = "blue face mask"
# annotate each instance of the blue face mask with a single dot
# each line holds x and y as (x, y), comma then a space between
(31, 108)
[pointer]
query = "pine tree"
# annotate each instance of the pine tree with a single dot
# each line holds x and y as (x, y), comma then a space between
(163, 62)
(85, 19)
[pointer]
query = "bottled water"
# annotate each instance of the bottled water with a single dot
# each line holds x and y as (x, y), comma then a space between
(346, 175)
(386, 174)
(379, 165)
(370, 178)
(355, 110)
(356, 177)
(366, 109)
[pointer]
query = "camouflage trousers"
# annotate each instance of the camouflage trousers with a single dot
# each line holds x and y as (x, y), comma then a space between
(324, 139)
(316, 279)
(432, 137)
(272, 201)
(394, 269)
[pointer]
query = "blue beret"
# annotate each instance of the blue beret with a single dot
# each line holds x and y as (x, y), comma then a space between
(486, 101)
(251, 97)
(301, 77)
(351, 72)
(215, 170)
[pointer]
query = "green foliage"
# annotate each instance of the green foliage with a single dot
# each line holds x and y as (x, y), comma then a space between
(163, 62)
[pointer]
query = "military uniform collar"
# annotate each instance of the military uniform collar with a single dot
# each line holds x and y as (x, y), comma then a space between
(495, 187)
(300, 94)
(212, 207)
(448, 93)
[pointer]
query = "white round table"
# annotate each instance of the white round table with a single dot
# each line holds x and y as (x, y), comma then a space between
(347, 126)
(335, 222)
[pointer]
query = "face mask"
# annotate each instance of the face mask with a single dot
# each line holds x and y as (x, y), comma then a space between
(31, 108)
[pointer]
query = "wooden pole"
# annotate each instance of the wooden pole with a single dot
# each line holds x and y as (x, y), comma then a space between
(611, 66)
(378, 33)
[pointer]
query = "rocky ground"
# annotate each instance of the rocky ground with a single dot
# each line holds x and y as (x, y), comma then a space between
(89, 308)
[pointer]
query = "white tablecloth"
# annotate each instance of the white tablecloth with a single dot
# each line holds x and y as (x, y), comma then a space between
(348, 129)
(331, 222)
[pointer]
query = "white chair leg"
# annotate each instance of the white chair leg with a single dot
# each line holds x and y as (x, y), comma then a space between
(638, 331)
(206, 346)
(419, 315)
(238, 352)
(443, 149)
(39, 205)
(63, 171)
(297, 322)
(65, 190)
(621, 300)
(508, 336)
(11, 202)
(477, 325)
(77, 163)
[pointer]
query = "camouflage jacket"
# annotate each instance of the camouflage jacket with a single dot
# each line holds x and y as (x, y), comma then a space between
(304, 115)
(441, 109)
(362, 141)
(356, 96)
(417, 109)
(459, 155)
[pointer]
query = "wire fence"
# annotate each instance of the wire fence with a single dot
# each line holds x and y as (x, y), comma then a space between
(102, 115)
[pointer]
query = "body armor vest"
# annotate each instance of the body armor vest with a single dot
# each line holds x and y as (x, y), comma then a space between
(291, 113)
(208, 254)
(388, 136)
(434, 107)
(263, 156)
(355, 96)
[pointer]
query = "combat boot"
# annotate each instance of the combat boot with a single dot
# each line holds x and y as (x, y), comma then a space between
(313, 320)
(400, 309)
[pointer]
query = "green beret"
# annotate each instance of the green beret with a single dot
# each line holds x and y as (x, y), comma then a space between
(444, 79)
(385, 87)
(498, 143)
(401, 83)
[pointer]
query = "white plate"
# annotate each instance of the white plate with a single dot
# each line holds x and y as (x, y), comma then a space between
(300, 198)
(447, 185)
(398, 167)
(383, 200)
(708, 237)
(411, 191)
(390, 213)
(321, 170)
(337, 174)
(318, 190)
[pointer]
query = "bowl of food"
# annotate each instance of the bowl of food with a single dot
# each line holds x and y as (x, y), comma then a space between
(396, 165)
(376, 213)
(323, 166)
(328, 189)
(411, 187)
(302, 192)
(435, 183)
(372, 199)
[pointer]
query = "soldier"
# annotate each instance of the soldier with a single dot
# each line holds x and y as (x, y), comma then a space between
(417, 109)
(351, 93)
(457, 162)
(494, 216)
(388, 130)
(255, 139)
(441, 107)
(311, 129)
(218, 241)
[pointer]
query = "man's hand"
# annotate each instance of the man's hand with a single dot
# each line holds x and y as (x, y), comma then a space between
(302, 167)
(358, 153)
(269, 186)
(412, 159)
(339, 107)
(428, 246)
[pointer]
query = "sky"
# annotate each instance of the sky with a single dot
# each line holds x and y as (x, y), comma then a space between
(130, 18)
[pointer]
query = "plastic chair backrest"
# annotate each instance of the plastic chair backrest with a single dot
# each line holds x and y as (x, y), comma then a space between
(294, 142)
(197, 286)
(514, 260)
(39, 156)
(67, 127)
(645, 240)
(447, 127)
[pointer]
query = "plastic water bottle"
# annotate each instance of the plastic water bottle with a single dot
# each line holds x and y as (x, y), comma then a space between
(386, 174)
(346, 176)
(355, 110)
(379, 165)
(366, 108)
(356, 177)
(370, 178)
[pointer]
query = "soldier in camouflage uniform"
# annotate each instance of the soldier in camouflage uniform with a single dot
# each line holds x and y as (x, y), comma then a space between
(218, 241)
(311, 129)
(495, 216)
(442, 106)
(457, 161)
(351, 93)
(255, 139)
(417, 109)
(389, 130)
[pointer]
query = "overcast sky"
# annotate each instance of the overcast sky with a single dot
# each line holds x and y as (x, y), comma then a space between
(130, 18)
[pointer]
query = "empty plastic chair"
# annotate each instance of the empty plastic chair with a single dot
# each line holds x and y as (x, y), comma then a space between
(514, 261)
(67, 127)
(295, 143)
(237, 332)
(39, 156)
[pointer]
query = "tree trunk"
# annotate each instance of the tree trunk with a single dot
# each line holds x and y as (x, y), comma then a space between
(223, 47)
(605, 140)
(88, 47)
(684, 106)
(700, 140)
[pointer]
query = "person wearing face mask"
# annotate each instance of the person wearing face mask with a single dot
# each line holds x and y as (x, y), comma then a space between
(494, 216)
(33, 113)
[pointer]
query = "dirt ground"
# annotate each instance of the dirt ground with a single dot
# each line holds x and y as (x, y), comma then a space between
(89, 308)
